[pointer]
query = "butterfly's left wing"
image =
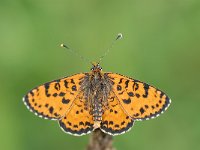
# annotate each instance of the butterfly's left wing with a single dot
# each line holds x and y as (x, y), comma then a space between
(139, 100)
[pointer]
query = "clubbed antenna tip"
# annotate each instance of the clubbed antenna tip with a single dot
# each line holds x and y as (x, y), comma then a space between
(119, 36)
(63, 45)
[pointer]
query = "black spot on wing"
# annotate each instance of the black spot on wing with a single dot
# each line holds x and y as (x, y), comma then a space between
(69, 123)
(123, 122)
(116, 126)
(77, 112)
(55, 94)
(161, 94)
(119, 88)
(130, 94)
(51, 110)
(135, 86)
(57, 86)
(66, 83)
(127, 101)
(61, 94)
(126, 83)
(81, 123)
(136, 115)
(46, 86)
(105, 123)
(146, 89)
(65, 101)
(142, 110)
(137, 95)
(31, 92)
(72, 81)
(74, 88)
(121, 93)
(120, 81)
(110, 122)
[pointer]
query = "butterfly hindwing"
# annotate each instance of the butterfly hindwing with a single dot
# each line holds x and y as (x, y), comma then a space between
(114, 120)
(139, 100)
(53, 99)
(77, 121)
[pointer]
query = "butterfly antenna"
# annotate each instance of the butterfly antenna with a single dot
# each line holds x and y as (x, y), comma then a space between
(75, 52)
(119, 36)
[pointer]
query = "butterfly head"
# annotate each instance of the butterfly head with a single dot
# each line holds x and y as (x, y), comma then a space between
(96, 67)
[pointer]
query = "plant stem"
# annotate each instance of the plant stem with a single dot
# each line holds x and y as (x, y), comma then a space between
(100, 141)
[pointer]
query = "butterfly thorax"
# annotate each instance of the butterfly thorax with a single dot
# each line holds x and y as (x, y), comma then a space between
(96, 87)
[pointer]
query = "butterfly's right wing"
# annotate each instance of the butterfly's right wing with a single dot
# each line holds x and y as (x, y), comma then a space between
(77, 121)
(53, 99)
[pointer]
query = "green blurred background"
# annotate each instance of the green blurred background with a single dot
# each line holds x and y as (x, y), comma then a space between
(161, 46)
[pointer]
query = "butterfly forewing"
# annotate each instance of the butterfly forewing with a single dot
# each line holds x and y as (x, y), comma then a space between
(53, 99)
(139, 100)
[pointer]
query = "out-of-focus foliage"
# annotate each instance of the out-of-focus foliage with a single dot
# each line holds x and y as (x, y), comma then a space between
(160, 46)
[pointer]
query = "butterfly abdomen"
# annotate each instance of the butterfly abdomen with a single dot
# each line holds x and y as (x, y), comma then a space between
(96, 90)
(97, 111)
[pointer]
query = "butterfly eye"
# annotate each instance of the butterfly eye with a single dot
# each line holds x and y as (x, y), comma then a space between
(92, 69)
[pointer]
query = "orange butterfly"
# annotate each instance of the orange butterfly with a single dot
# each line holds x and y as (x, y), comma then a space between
(84, 102)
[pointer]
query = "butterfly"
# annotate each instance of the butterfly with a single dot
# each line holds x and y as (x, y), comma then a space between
(108, 101)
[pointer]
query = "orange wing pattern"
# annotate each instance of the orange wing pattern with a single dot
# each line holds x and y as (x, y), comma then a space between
(53, 99)
(114, 120)
(139, 100)
(77, 121)
(66, 100)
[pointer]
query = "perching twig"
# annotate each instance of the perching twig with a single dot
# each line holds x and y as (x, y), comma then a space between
(100, 141)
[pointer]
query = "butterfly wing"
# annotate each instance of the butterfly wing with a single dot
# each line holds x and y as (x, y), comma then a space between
(139, 100)
(77, 121)
(53, 99)
(114, 120)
